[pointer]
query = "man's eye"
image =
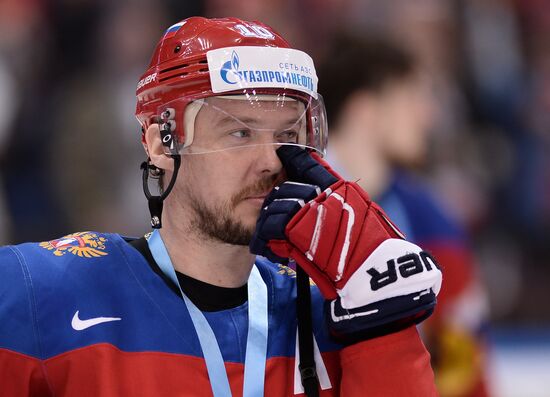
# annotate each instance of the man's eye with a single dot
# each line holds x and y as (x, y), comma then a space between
(241, 134)
(286, 136)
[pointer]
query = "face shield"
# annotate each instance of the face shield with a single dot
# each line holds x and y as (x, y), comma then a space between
(241, 122)
(255, 96)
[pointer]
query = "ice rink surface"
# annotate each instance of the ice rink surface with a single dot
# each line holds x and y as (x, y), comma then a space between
(520, 363)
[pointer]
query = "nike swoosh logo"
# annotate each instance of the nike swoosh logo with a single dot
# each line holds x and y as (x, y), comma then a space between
(80, 325)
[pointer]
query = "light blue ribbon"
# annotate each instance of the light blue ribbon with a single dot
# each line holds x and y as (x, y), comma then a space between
(256, 343)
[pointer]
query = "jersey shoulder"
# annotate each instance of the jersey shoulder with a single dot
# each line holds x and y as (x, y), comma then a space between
(414, 200)
(48, 261)
(36, 277)
(283, 279)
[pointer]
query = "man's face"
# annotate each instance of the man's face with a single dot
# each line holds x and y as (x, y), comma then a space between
(231, 166)
(405, 118)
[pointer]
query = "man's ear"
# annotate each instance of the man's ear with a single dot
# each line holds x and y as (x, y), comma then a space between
(155, 150)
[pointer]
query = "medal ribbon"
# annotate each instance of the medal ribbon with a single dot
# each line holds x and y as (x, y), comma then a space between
(256, 343)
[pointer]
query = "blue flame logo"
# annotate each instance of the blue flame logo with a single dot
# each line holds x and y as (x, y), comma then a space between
(230, 70)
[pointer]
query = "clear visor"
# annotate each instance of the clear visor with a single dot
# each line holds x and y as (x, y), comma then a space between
(236, 122)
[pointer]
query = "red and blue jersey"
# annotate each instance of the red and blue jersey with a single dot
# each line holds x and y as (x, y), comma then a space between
(85, 315)
(461, 312)
(416, 210)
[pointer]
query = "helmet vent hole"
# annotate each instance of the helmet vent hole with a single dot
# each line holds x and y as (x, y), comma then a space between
(162, 79)
(182, 66)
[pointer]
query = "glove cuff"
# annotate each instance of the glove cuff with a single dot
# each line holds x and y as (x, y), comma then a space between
(391, 315)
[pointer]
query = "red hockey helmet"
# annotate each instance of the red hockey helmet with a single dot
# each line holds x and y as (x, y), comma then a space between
(229, 58)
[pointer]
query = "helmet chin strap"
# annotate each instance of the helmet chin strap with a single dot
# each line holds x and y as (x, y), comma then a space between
(156, 202)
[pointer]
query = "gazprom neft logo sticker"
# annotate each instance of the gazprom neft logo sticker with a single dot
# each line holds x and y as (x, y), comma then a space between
(230, 70)
(236, 68)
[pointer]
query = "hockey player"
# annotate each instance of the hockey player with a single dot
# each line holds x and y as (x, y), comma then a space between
(234, 131)
(381, 118)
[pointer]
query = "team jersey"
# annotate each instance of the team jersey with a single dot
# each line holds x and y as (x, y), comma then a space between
(454, 332)
(86, 315)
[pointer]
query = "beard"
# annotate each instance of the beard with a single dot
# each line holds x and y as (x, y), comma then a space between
(219, 223)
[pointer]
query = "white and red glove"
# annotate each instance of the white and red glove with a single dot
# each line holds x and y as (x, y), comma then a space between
(375, 281)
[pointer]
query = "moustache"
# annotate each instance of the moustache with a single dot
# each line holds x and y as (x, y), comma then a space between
(260, 187)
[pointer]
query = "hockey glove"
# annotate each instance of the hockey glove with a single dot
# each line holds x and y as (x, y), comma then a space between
(375, 281)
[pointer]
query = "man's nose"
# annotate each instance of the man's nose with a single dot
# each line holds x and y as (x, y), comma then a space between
(267, 161)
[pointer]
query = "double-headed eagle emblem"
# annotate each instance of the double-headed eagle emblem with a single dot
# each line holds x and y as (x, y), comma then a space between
(83, 244)
(288, 271)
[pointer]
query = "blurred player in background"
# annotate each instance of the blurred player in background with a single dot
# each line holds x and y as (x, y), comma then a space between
(234, 130)
(381, 112)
